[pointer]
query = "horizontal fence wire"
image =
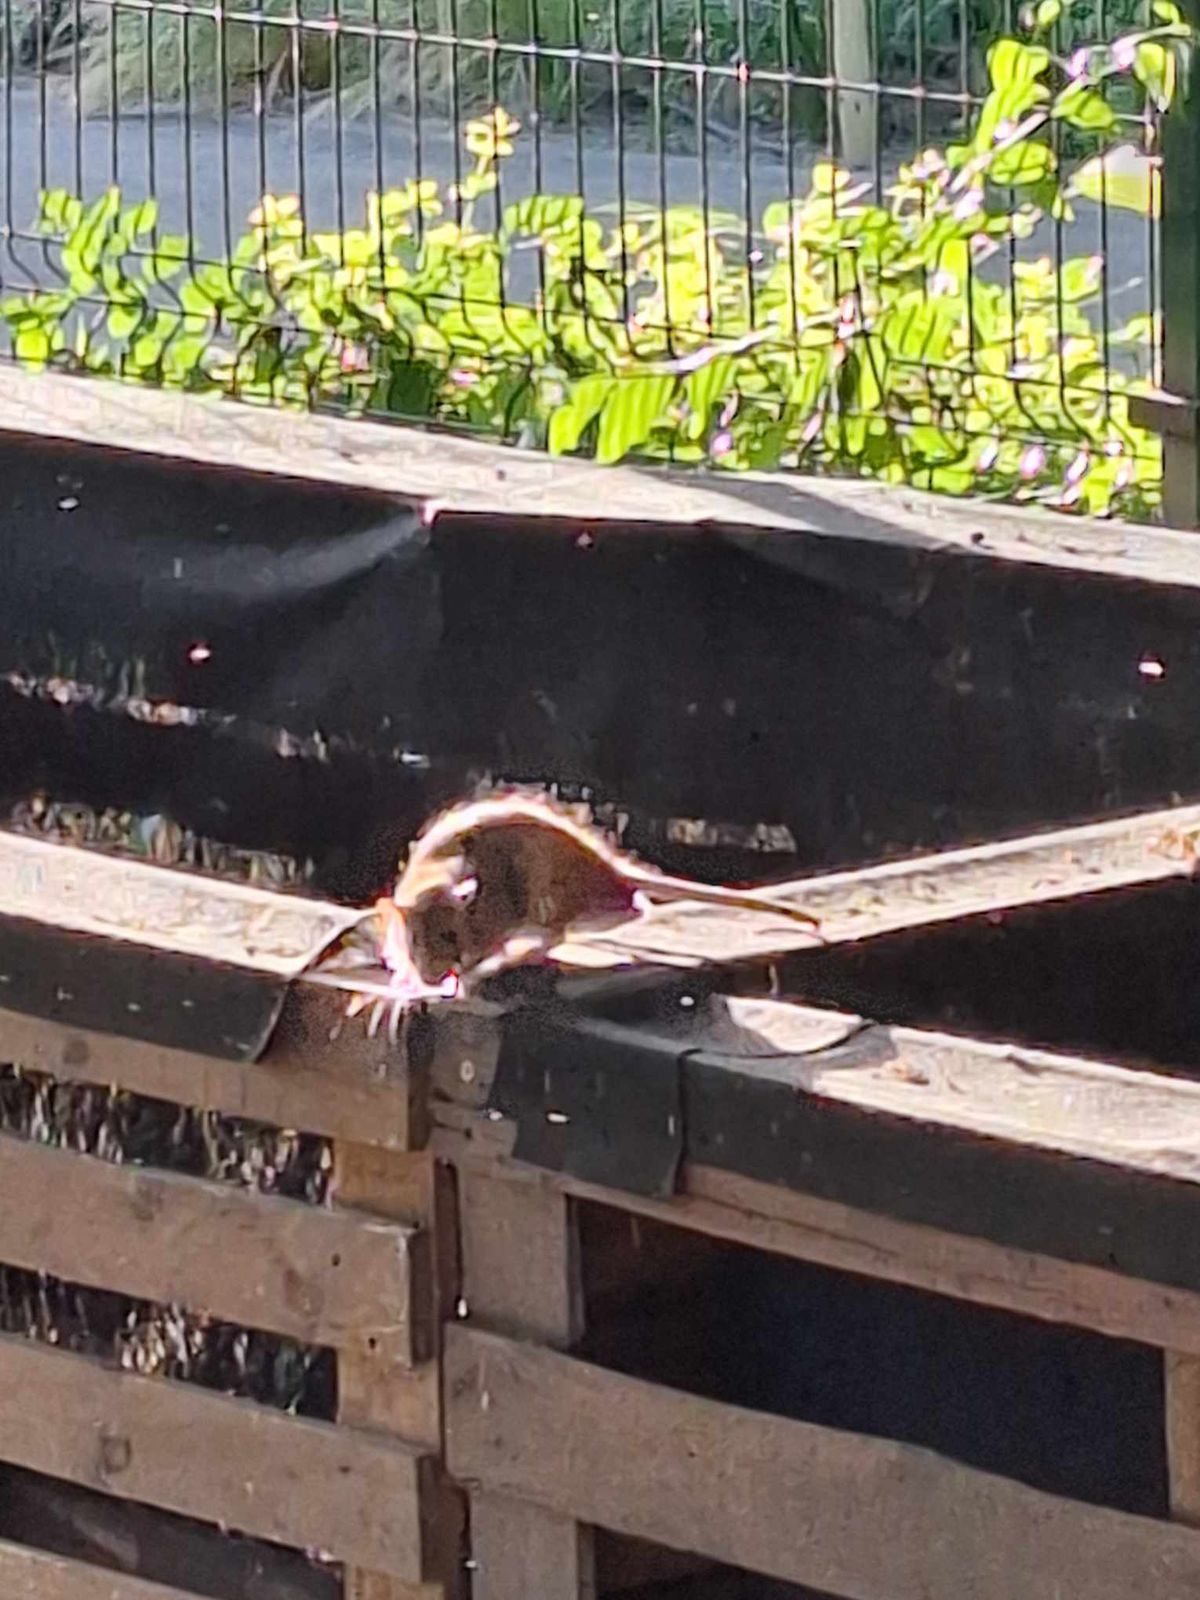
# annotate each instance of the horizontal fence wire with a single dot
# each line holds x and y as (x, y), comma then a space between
(666, 228)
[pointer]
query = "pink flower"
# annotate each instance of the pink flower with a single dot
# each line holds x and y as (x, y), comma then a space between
(1078, 64)
(722, 443)
(1032, 462)
(988, 456)
(1124, 54)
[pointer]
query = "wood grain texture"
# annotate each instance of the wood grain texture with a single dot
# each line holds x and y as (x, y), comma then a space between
(1181, 1395)
(767, 1216)
(916, 892)
(34, 1575)
(521, 1272)
(376, 1388)
(469, 475)
(1140, 1121)
(844, 1513)
(311, 1274)
(348, 1086)
(273, 1476)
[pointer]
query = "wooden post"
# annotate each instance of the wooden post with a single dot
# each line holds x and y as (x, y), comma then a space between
(852, 60)
(1181, 1385)
(520, 1276)
(398, 1391)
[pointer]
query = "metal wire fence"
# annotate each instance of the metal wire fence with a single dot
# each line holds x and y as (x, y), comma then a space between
(689, 228)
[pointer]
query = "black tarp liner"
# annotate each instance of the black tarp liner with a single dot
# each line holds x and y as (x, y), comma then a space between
(871, 698)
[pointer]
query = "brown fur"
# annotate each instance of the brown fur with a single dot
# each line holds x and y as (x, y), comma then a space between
(494, 882)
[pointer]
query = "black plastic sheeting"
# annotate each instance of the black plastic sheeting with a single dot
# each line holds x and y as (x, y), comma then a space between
(343, 668)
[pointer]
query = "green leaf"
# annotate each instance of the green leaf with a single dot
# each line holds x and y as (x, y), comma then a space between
(1121, 177)
(703, 390)
(1154, 68)
(1047, 13)
(1021, 164)
(542, 214)
(122, 320)
(1012, 64)
(409, 388)
(630, 413)
(32, 346)
(1083, 107)
(569, 422)
(142, 219)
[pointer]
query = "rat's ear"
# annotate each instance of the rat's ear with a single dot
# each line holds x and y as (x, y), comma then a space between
(435, 876)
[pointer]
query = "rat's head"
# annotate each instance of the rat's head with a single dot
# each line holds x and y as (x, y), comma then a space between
(433, 901)
(436, 935)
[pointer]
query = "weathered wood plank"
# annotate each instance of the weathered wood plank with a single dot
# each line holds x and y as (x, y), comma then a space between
(350, 1087)
(1127, 1118)
(521, 1273)
(273, 1476)
(319, 1276)
(1181, 1397)
(378, 1391)
(1141, 1121)
(841, 1512)
(165, 908)
(769, 1217)
(1051, 1156)
(34, 1575)
(469, 475)
(912, 893)
(787, 1222)
(282, 935)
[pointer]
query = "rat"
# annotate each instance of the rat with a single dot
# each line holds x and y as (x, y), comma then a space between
(494, 883)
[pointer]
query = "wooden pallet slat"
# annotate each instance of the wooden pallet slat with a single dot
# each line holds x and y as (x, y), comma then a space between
(789, 1499)
(352, 1088)
(919, 891)
(319, 1276)
(374, 1390)
(521, 1272)
(473, 475)
(354, 1496)
(27, 1574)
(1038, 1099)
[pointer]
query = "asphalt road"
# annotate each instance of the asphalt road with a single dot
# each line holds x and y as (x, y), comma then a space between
(208, 178)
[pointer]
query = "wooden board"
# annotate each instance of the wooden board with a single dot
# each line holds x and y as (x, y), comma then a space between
(946, 1163)
(1181, 1400)
(1142, 1121)
(378, 1391)
(766, 1216)
(34, 1575)
(521, 1273)
(842, 1512)
(164, 908)
(319, 1276)
(913, 893)
(350, 1087)
(353, 1496)
(469, 475)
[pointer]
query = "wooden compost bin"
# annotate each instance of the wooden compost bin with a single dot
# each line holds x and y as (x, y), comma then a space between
(866, 1270)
